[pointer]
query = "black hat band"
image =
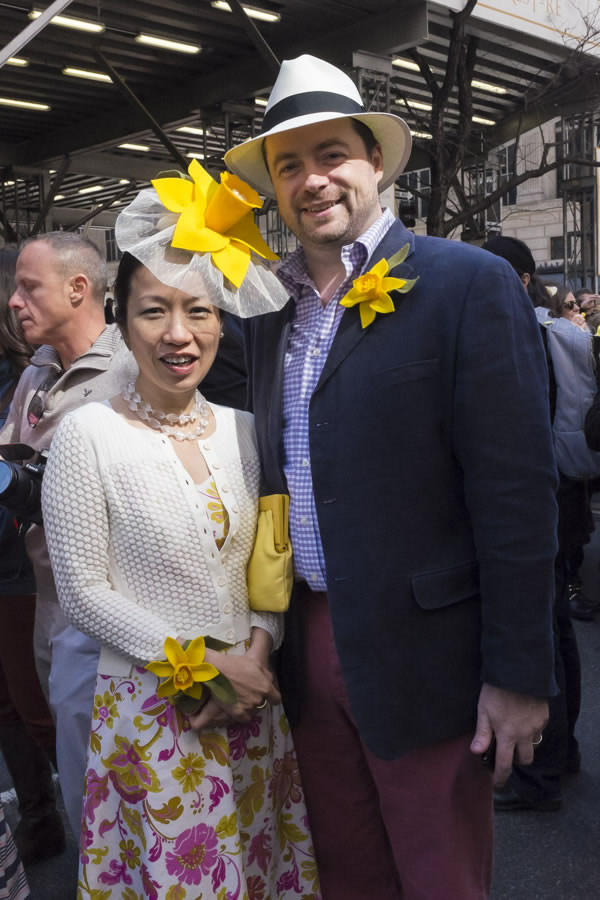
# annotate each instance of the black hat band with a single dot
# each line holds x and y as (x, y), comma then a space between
(308, 103)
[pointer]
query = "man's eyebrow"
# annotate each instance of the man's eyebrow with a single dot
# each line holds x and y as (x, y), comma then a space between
(324, 145)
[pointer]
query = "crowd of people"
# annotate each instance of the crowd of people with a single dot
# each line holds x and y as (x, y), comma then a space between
(346, 731)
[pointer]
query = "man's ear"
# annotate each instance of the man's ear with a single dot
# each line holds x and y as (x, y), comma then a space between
(377, 161)
(79, 286)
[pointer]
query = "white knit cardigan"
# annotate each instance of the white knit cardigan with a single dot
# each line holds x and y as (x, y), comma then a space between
(131, 546)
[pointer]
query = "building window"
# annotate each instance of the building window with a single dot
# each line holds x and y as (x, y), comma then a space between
(506, 161)
(113, 254)
(414, 190)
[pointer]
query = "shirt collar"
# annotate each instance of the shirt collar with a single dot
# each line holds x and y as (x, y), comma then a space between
(97, 356)
(293, 273)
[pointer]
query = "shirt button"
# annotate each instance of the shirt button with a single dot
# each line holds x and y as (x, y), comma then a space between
(216, 466)
(230, 635)
(206, 446)
(224, 488)
(316, 352)
(305, 463)
(304, 520)
(227, 609)
(234, 509)
(314, 577)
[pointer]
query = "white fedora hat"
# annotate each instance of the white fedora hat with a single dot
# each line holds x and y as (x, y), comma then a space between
(310, 90)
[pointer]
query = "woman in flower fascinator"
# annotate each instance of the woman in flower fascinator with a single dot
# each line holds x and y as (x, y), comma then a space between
(150, 507)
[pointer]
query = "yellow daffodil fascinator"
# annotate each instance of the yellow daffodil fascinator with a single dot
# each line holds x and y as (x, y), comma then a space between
(199, 235)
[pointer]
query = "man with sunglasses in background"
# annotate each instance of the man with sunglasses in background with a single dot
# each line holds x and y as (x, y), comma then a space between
(61, 280)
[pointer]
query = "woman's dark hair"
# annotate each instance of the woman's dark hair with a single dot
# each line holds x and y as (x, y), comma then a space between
(555, 303)
(518, 254)
(12, 341)
(127, 266)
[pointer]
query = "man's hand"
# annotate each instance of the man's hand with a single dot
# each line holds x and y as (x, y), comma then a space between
(516, 720)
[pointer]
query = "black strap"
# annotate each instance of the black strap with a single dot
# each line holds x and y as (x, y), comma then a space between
(309, 102)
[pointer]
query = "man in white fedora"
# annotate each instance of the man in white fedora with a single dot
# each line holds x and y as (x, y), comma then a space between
(401, 399)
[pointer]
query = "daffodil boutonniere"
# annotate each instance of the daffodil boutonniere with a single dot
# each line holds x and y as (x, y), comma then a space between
(371, 290)
(215, 218)
(185, 674)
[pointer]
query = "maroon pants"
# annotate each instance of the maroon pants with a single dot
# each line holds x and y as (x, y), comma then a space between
(21, 696)
(417, 828)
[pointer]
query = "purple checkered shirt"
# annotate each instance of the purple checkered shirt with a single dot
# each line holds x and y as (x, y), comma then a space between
(311, 337)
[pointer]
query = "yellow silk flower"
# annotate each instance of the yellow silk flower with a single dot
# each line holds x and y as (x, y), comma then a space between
(371, 289)
(215, 218)
(184, 670)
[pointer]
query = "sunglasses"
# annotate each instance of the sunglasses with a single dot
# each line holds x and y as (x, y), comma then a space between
(37, 404)
(569, 304)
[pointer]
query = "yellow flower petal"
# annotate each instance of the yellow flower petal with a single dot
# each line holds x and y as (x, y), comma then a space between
(231, 202)
(366, 314)
(383, 304)
(196, 651)
(167, 688)
(174, 652)
(353, 297)
(204, 672)
(380, 269)
(233, 262)
(196, 691)
(393, 284)
(174, 193)
(160, 668)
(246, 232)
(204, 183)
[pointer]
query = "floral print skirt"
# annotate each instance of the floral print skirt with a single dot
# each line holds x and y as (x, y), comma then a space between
(174, 814)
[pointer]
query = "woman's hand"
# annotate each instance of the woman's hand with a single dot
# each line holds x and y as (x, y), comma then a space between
(251, 678)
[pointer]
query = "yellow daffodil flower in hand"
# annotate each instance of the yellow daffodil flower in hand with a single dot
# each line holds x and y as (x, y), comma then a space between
(215, 218)
(371, 290)
(184, 670)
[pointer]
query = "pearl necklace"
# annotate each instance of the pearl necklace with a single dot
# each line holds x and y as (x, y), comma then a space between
(156, 418)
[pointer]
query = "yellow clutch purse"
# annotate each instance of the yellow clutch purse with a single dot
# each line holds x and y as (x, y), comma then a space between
(270, 572)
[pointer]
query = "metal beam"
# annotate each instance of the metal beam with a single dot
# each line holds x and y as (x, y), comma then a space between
(98, 209)
(34, 28)
(47, 204)
(255, 36)
(372, 33)
(120, 82)
(107, 165)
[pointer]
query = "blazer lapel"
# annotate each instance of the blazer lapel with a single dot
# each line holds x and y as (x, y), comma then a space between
(280, 332)
(350, 331)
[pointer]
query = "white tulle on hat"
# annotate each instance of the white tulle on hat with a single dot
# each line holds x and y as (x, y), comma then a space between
(200, 237)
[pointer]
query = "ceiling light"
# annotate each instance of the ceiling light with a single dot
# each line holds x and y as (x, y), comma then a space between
(260, 101)
(59, 196)
(123, 180)
(191, 129)
(90, 190)
(70, 22)
(17, 61)
(417, 104)
(8, 183)
(253, 12)
(486, 86)
(483, 121)
(167, 44)
(86, 73)
(52, 171)
(23, 104)
(405, 64)
(143, 148)
(424, 135)
(194, 155)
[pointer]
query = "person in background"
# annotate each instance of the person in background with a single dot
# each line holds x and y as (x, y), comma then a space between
(538, 787)
(588, 304)
(13, 881)
(562, 304)
(27, 733)
(59, 301)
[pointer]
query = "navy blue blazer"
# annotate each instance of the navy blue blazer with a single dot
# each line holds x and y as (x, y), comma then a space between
(434, 480)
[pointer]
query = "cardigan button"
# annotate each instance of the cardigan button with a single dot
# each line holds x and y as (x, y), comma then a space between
(227, 609)
(221, 581)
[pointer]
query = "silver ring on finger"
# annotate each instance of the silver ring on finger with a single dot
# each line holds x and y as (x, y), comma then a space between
(539, 741)
(263, 704)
